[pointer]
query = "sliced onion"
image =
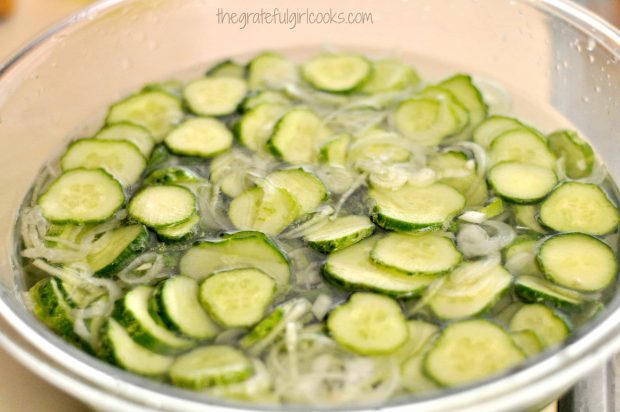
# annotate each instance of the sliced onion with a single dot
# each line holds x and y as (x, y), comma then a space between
(482, 160)
(475, 241)
(322, 305)
(473, 216)
(597, 177)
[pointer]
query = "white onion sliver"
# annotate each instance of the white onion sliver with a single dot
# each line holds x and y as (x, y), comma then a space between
(322, 305)
(475, 241)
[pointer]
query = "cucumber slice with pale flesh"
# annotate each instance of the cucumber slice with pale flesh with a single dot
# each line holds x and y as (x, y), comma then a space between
(528, 341)
(238, 297)
(116, 249)
(420, 335)
(210, 366)
(521, 182)
(390, 75)
(415, 254)
(520, 255)
(340, 233)
(160, 206)
(155, 110)
(368, 324)
(256, 126)
(522, 145)
(457, 108)
(578, 261)
(82, 196)
(200, 136)
(471, 350)
(171, 176)
(334, 152)
(492, 127)
(306, 189)
(337, 73)
(379, 145)
(536, 289)
(297, 137)
(271, 71)
(413, 378)
(351, 268)
(463, 88)
(179, 232)
(526, 216)
(426, 121)
(577, 154)
(550, 327)
(579, 207)
(264, 96)
(132, 133)
(412, 208)
(215, 96)
(227, 68)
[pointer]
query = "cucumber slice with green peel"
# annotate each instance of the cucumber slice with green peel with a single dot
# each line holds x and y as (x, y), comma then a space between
(271, 71)
(337, 73)
(579, 207)
(264, 96)
(412, 208)
(521, 182)
(443, 94)
(161, 206)
(389, 75)
(457, 170)
(132, 313)
(470, 289)
(79, 295)
(526, 216)
(227, 68)
(305, 188)
(494, 126)
(368, 324)
(351, 268)
(256, 126)
(297, 137)
(210, 366)
(215, 96)
(493, 208)
(116, 249)
(340, 233)
(578, 261)
(175, 302)
(200, 136)
(536, 289)
(528, 341)
(118, 348)
(334, 152)
(82, 196)
(463, 88)
(155, 110)
(238, 297)
(229, 171)
(380, 145)
(413, 378)
(268, 210)
(420, 334)
(522, 145)
(132, 133)
(171, 176)
(415, 254)
(547, 324)
(182, 231)
(237, 250)
(426, 121)
(121, 159)
(173, 87)
(520, 255)
(471, 350)
(577, 154)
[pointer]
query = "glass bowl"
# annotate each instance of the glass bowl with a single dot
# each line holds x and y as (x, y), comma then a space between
(558, 62)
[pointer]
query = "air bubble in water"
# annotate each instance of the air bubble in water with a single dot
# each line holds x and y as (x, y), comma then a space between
(591, 58)
(591, 45)
(585, 99)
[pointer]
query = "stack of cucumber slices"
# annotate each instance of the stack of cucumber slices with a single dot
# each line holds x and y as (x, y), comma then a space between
(335, 232)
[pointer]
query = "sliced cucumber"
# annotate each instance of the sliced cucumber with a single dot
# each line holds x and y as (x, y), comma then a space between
(116, 249)
(230, 172)
(521, 182)
(155, 110)
(78, 294)
(390, 75)
(256, 126)
(463, 88)
(380, 145)
(238, 250)
(368, 324)
(160, 206)
(172, 86)
(550, 328)
(340, 233)
(579, 207)
(471, 350)
(132, 313)
(528, 341)
(227, 68)
(271, 71)
(215, 96)
(264, 96)
(457, 170)
(536, 289)
(578, 261)
(522, 145)
(576, 152)
(172, 176)
(120, 158)
(82, 196)
(426, 121)
(420, 334)
(119, 348)
(200, 136)
(492, 127)
(182, 231)
(456, 107)
(268, 210)
(334, 152)
(520, 255)
(426, 253)
(493, 208)
(175, 302)
(413, 208)
(209, 366)
(306, 189)
(237, 297)
(413, 377)
(297, 136)
(337, 73)
(526, 216)
(470, 289)
(132, 133)
(351, 268)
